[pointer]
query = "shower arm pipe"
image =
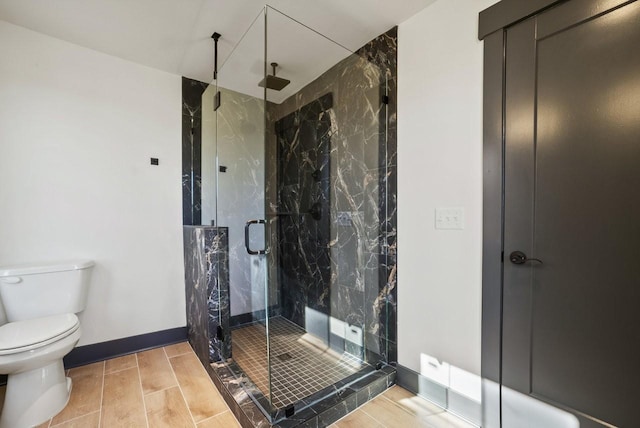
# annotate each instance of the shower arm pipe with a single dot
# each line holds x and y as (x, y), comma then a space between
(215, 37)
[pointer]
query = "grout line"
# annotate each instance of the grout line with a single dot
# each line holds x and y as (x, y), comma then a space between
(144, 404)
(206, 375)
(396, 404)
(424, 418)
(426, 400)
(177, 355)
(159, 390)
(363, 411)
(104, 367)
(214, 416)
(119, 370)
(72, 419)
(186, 403)
(205, 371)
(337, 423)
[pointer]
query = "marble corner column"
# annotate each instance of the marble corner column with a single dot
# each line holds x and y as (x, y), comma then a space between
(206, 263)
(381, 301)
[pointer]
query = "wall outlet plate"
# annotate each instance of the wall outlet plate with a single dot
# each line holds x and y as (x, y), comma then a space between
(353, 334)
(450, 218)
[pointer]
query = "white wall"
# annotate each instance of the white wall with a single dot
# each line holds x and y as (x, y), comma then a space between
(440, 165)
(77, 129)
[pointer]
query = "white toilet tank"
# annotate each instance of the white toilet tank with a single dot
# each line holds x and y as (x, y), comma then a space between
(39, 290)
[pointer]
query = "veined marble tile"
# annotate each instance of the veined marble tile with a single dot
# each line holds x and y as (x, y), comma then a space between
(207, 291)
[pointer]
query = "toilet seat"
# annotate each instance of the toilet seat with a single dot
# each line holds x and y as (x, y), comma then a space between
(26, 335)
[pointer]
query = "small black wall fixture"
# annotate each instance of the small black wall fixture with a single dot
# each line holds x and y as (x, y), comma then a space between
(216, 101)
(215, 37)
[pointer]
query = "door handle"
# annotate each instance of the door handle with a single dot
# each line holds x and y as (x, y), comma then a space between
(520, 258)
(247, 226)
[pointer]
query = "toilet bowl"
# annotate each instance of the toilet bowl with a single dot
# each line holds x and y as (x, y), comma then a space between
(31, 352)
(40, 332)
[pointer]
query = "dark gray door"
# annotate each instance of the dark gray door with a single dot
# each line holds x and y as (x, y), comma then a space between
(571, 324)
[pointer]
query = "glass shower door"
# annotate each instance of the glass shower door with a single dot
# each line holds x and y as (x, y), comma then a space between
(323, 172)
(240, 154)
(300, 149)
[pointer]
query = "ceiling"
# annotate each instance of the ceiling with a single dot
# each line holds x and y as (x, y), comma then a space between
(175, 35)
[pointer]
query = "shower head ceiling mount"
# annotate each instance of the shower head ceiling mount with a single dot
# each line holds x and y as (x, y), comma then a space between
(273, 82)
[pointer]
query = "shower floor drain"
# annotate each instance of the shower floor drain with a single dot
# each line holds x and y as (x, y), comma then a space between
(284, 357)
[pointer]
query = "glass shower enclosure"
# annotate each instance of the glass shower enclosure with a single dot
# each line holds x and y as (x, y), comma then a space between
(297, 154)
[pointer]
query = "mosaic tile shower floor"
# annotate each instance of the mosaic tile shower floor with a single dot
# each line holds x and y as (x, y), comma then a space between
(300, 365)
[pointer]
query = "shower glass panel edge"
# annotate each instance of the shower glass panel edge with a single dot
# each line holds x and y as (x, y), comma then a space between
(267, 301)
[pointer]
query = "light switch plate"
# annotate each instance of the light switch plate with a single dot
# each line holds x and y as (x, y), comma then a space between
(450, 218)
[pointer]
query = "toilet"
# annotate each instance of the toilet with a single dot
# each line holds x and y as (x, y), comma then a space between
(41, 302)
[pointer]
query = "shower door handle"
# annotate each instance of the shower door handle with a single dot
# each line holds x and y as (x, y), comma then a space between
(247, 227)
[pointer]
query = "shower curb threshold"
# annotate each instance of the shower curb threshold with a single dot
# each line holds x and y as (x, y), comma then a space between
(348, 395)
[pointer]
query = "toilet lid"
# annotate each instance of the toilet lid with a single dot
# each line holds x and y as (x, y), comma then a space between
(22, 336)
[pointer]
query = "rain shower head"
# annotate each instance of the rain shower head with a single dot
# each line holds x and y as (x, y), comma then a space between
(273, 82)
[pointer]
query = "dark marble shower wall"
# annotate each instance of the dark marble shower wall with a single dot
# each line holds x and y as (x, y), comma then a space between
(304, 200)
(354, 188)
(192, 91)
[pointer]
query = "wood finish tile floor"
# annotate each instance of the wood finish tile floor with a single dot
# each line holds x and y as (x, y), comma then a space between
(162, 387)
(397, 408)
(168, 387)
